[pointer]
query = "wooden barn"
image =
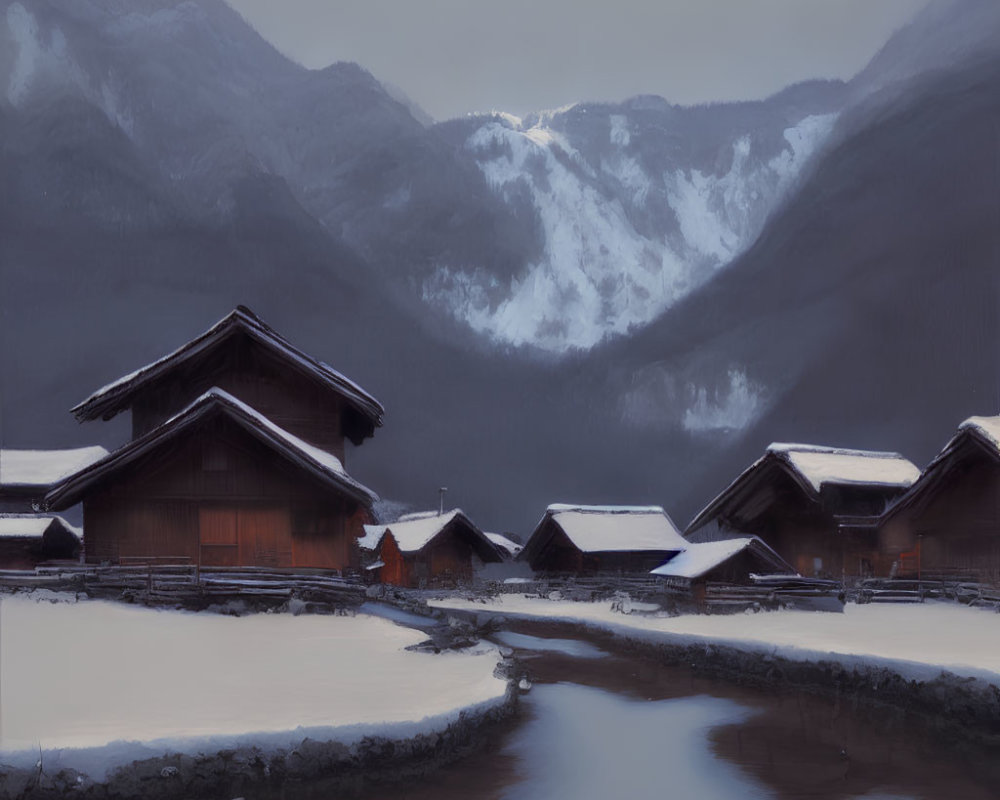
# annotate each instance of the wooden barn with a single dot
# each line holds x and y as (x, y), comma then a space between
(26, 476)
(236, 458)
(429, 549)
(586, 540)
(818, 507)
(27, 540)
(948, 523)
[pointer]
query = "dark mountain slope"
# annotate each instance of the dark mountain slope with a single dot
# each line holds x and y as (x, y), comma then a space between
(868, 312)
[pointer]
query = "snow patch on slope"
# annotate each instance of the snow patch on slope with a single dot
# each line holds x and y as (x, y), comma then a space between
(47, 58)
(733, 408)
(598, 276)
(603, 273)
(23, 29)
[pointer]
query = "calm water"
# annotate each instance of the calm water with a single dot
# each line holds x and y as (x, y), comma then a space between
(600, 725)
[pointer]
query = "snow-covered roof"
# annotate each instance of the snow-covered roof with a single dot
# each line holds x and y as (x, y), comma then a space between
(319, 462)
(597, 529)
(822, 465)
(112, 398)
(512, 547)
(703, 557)
(43, 468)
(988, 429)
(413, 532)
(32, 526)
(984, 430)
(814, 466)
(372, 538)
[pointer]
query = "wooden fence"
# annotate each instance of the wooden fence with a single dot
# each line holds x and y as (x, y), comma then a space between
(156, 583)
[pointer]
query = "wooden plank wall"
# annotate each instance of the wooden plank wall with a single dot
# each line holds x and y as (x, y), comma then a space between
(221, 496)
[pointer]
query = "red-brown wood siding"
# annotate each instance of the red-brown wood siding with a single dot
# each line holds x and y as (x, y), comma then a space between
(958, 521)
(448, 560)
(249, 507)
(396, 570)
(243, 368)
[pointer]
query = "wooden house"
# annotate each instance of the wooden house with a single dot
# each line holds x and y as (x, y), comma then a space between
(602, 539)
(236, 458)
(429, 549)
(27, 475)
(818, 507)
(948, 523)
(730, 561)
(27, 540)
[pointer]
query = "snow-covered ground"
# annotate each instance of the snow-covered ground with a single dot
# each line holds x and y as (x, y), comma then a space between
(915, 640)
(83, 675)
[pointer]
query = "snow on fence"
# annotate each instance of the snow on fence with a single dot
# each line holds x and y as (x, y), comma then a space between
(765, 592)
(192, 587)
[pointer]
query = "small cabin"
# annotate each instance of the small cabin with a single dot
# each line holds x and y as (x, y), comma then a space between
(587, 540)
(429, 549)
(730, 561)
(27, 475)
(27, 540)
(818, 507)
(948, 523)
(236, 458)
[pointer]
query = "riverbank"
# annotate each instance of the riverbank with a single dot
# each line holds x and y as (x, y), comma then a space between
(939, 661)
(108, 700)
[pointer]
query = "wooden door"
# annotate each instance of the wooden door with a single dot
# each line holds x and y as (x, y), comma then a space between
(265, 536)
(256, 537)
(218, 537)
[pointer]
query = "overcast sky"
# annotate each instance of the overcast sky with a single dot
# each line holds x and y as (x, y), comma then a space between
(457, 56)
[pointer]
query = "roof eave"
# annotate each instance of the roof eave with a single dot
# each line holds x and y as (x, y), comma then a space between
(70, 490)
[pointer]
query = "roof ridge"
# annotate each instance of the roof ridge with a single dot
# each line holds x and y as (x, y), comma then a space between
(794, 447)
(243, 317)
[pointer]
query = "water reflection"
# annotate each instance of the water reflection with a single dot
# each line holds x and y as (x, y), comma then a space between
(622, 726)
(591, 744)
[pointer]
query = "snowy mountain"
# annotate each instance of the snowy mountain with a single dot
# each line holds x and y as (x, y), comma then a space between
(819, 266)
(638, 204)
(553, 231)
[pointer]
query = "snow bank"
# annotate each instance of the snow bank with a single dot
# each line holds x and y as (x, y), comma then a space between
(917, 641)
(100, 678)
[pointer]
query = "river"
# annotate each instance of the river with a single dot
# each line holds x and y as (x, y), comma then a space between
(601, 724)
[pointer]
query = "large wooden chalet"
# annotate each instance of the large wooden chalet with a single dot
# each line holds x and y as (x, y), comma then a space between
(818, 507)
(429, 549)
(236, 457)
(589, 540)
(948, 523)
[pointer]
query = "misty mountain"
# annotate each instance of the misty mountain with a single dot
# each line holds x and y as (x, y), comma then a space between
(553, 231)
(160, 163)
